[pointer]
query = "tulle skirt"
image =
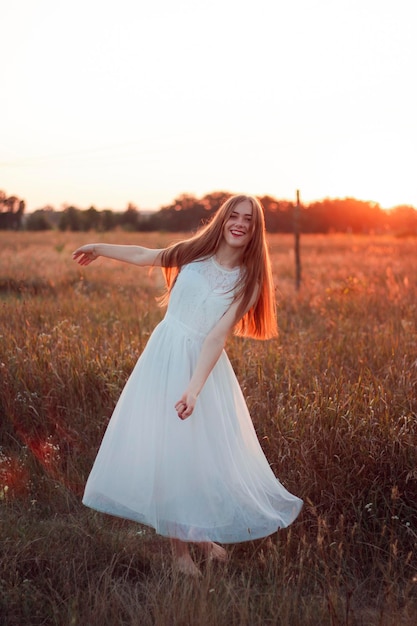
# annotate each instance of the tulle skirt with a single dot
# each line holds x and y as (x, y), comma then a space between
(202, 479)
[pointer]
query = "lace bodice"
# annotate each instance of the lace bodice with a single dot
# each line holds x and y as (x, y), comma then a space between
(202, 293)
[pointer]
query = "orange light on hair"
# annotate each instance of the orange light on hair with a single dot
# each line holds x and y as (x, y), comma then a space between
(260, 321)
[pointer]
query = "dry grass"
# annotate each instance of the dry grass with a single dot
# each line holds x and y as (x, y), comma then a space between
(334, 402)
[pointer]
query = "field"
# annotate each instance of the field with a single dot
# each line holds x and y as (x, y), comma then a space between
(333, 400)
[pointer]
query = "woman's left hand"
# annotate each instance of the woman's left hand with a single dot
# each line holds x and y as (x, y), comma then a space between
(185, 406)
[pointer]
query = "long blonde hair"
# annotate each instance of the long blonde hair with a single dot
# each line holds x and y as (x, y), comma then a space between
(260, 320)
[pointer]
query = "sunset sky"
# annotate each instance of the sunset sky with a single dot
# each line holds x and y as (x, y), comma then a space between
(104, 103)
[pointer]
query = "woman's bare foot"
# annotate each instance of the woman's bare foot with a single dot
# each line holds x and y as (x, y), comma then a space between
(186, 565)
(182, 559)
(214, 552)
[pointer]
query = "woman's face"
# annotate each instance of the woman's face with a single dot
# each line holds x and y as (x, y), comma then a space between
(238, 228)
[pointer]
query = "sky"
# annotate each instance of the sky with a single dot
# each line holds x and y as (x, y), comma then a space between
(104, 102)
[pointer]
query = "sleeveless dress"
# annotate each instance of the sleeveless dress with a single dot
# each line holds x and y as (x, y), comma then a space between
(202, 479)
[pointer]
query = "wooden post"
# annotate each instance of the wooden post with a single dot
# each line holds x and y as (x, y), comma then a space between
(297, 242)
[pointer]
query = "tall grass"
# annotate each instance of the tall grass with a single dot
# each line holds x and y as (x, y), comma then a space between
(333, 400)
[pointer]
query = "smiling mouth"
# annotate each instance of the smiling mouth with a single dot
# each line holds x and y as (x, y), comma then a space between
(237, 233)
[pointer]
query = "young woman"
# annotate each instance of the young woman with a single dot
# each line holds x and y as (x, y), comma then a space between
(180, 453)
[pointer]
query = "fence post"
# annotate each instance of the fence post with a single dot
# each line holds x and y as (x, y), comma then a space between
(297, 242)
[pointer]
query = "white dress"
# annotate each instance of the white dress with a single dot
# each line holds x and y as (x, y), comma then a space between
(202, 479)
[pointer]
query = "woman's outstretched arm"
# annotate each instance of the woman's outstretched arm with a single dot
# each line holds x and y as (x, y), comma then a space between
(138, 255)
(210, 352)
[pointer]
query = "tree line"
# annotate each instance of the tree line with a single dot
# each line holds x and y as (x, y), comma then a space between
(187, 213)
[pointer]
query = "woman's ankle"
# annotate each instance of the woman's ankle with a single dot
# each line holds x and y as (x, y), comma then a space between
(179, 548)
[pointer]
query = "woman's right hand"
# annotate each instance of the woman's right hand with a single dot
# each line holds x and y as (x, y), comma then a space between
(85, 254)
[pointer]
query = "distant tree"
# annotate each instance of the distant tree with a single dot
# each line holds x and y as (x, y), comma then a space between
(403, 219)
(214, 200)
(278, 215)
(185, 214)
(91, 219)
(108, 220)
(38, 220)
(11, 212)
(71, 219)
(343, 215)
(49, 216)
(129, 220)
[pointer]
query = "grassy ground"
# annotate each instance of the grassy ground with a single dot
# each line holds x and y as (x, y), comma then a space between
(333, 400)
